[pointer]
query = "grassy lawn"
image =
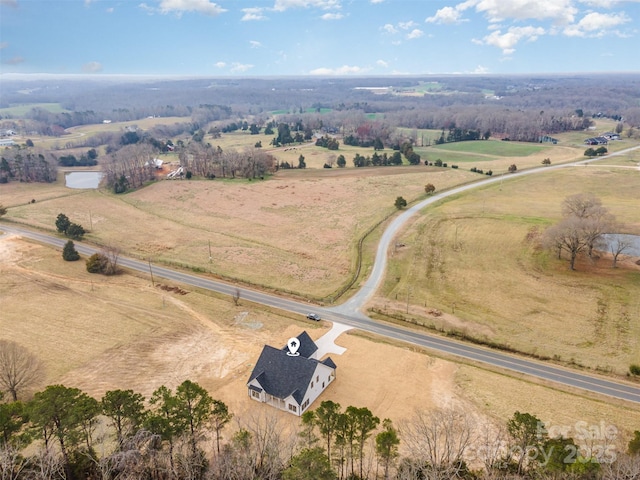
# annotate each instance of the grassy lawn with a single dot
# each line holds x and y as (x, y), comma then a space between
(493, 147)
(477, 259)
(23, 109)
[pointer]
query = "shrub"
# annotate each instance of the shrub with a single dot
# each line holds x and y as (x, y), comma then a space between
(634, 369)
(62, 223)
(75, 231)
(69, 252)
(97, 263)
(454, 166)
(400, 203)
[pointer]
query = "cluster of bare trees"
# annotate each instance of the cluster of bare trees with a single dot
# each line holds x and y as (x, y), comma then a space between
(211, 162)
(584, 222)
(130, 167)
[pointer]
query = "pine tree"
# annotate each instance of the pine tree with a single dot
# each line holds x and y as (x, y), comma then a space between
(69, 252)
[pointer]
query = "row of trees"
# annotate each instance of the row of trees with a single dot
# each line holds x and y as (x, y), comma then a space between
(25, 164)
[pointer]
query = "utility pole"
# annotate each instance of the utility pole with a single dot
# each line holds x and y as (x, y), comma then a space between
(151, 273)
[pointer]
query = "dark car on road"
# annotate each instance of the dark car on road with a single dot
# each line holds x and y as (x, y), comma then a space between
(313, 316)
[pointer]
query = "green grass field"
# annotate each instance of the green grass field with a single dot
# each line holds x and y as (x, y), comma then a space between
(493, 147)
(23, 109)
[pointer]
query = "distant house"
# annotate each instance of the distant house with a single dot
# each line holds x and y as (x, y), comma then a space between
(156, 163)
(7, 142)
(7, 133)
(547, 139)
(291, 378)
(596, 141)
(611, 136)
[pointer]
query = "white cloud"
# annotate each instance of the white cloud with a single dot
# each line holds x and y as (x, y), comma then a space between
(559, 11)
(92, 67)
(332, 16)
(240, 67)
(446, 15)
(376, 1)
(480, 70)
(3, 45)
(253, 13)
(9, 3)
(407, 25)
(390, 29)
(344, 70)
(220, 64)
(415, 33)
(282, 5)
(596, 24)
(508, 40)
(255, 44)
(205, 7)
(382, 63)
(110, 10)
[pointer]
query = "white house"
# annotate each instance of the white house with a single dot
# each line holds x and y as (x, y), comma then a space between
(291, 378)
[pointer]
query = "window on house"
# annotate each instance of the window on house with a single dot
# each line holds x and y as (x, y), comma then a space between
(322, 384)
(293, 408)
(317, 378)
(311, 384)
(255, 394)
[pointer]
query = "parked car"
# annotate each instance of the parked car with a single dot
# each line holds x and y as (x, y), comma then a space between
(313, 316)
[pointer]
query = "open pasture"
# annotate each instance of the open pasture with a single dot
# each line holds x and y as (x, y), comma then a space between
(104, 333)
(17, 111)
(296, 231)
(477, 258)
(496, 148)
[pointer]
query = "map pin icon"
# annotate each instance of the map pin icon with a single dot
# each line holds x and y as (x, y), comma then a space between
(293, 344)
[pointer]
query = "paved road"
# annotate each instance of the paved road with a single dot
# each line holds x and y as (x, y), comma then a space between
(349, 312)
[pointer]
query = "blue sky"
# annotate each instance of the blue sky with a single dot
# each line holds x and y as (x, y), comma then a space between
(318, 37)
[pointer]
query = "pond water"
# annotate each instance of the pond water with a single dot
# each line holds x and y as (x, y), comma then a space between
(633, 240)
(82, 179)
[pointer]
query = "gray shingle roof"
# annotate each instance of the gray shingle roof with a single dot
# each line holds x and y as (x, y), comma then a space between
(307, 346)
(282, 375)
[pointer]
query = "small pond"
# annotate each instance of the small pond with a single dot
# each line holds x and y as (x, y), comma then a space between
(633, 240)
(82, 179)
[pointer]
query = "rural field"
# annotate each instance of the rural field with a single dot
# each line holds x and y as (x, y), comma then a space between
(477, 259)
(472, 259)
(103, 333)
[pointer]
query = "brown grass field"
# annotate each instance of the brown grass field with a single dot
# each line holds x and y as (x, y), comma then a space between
(477, 259)
(103, 333)
(297, 232)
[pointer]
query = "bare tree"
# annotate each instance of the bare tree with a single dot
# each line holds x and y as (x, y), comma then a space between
(617, 246)
(568, 235)
(437, 441)
(623, 467)
(236, 297)
(19, 368)
(111, 254)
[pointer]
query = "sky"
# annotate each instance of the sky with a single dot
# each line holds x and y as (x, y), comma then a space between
(260, 38)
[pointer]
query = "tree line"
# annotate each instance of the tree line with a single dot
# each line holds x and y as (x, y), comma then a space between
(187, 434)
